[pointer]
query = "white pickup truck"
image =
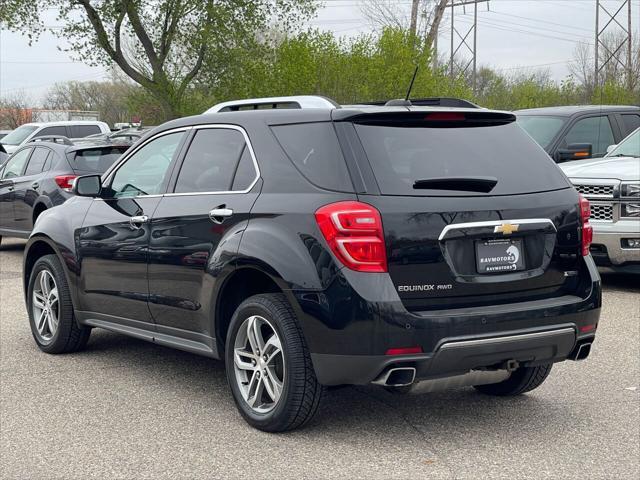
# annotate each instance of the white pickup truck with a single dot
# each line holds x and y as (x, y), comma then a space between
(612, 185)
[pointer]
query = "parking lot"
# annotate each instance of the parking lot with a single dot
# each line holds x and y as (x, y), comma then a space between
(129, 409)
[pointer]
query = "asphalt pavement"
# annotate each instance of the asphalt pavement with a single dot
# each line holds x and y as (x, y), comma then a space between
(124, 408)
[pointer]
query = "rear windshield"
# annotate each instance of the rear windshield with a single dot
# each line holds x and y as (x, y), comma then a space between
(401, 156)
(96, 160)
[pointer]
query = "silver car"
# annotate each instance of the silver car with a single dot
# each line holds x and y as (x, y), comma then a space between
(612, 185)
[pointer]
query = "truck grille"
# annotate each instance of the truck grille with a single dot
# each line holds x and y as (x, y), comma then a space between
(600, 190)
(601, 212)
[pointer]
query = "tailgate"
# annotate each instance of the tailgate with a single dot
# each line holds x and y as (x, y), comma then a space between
(474, 211)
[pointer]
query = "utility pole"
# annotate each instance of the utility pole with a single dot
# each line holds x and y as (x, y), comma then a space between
(605, 55)
(467, 40)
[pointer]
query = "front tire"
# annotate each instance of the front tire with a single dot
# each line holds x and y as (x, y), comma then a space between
(522, 380)
(269, 367)
(51, 317)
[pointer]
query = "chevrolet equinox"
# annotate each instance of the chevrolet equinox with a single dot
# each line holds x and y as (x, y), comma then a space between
(311, 247)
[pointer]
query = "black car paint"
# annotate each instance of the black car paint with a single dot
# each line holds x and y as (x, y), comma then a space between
(613, 113)
(348, 318)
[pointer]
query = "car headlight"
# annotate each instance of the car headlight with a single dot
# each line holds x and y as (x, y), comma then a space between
(631, 210)
(630, 190)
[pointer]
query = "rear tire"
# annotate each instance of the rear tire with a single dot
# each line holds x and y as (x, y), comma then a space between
(522, 380)
(50, 309)
(272, 378)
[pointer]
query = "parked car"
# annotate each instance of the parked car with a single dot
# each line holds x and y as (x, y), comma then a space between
(327, 246)
(4, 133)
(612, 185)
(39, 175)
(70, 129)
(579, 132)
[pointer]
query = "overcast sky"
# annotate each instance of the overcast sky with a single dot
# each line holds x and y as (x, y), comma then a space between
(513, 35)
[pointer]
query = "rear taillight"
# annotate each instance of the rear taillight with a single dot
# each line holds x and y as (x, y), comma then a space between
(354, 233)
(587, 230)
(65, 182)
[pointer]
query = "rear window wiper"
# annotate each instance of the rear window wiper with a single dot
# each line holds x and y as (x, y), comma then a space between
(465, 184)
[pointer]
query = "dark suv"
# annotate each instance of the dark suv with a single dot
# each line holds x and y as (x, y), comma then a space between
(579, 132)
(327, 246)
(39, 175)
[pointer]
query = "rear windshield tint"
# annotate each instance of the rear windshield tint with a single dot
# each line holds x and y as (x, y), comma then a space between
(400, 156)
(314, 150)
(96, 160)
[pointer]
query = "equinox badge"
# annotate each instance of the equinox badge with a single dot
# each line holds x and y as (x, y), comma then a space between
(506, 228)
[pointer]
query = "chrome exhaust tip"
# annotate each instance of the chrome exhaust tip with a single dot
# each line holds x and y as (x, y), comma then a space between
(396, 377)
(581, 352)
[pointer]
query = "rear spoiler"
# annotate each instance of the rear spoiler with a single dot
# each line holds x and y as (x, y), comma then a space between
(432, 102)
(426, 118)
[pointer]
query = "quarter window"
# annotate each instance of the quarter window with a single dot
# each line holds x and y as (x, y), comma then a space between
(594, 130)
(146, 172)
(212, 160)
(16, 164)
(314, 150)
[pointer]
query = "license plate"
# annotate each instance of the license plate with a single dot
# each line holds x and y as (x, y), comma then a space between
(499, 256)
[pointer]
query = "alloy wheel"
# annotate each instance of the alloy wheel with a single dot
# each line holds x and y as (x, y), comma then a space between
(45, 304)
(259, 364)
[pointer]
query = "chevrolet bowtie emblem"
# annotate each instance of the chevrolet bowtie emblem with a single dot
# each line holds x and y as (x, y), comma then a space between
(506, 228)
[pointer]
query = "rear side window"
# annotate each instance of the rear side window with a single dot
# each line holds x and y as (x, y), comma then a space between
(211, 161)
(314, 150)
(52, 131)
(81, 131)
(630, 123)
(96, 160)
(401, 156)
(37, 161)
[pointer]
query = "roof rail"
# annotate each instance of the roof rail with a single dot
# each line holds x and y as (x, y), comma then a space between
(52, 138)
(433, 102)
(294, 102)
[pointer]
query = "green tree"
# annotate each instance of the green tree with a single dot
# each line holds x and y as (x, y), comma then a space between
(163, 44)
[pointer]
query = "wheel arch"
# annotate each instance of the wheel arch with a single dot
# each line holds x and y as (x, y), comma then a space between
(39, 206)
(38, 246)
(243, 283)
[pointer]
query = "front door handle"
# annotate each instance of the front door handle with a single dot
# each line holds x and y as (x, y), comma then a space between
(217, 215)
(11, 188)
(35, 185)
(137, 221)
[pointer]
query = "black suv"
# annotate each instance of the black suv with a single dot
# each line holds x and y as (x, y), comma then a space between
(39, 175)
(327, 246)
(579, 132)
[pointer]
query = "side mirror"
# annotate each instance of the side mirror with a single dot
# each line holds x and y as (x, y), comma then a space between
(87, 186)
(611, 148)
(574, 151)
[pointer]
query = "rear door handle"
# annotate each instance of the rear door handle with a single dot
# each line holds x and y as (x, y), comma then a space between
(217, 215)
(137, 221)
(11, 188)
(35, 185)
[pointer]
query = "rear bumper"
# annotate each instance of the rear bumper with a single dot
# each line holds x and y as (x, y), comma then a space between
(455, 356)
(349, 330)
